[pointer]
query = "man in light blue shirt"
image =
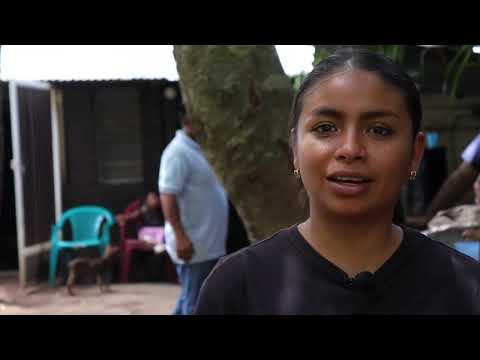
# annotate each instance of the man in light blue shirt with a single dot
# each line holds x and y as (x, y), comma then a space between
(459, 182)
(195, 207)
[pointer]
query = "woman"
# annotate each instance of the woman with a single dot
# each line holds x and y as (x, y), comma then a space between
(355, 140)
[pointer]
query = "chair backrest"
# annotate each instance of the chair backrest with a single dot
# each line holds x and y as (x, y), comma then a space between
(86, 221)
(132, 206)
(130, 230)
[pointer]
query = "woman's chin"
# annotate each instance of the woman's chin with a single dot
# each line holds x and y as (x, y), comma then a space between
(352, 211)
(351, 214)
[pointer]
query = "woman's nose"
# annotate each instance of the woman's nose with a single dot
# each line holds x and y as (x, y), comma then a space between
(351, 147)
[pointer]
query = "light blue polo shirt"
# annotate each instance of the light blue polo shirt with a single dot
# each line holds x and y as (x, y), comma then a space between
(471, 154)
(201, 199)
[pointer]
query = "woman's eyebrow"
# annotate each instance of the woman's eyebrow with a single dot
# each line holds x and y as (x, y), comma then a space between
(327, 112)
(368, 115)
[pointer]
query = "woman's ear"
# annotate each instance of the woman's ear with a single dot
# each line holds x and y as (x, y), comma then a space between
(293, 147)
(418, 149)
(295, 157)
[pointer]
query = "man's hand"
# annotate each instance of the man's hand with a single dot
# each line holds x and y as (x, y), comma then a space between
(184, 247)
(172, 215)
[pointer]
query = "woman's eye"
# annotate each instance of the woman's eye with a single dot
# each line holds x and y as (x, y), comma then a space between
(325, 128)
(380, 130)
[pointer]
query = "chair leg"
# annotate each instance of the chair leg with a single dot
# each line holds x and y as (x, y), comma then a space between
(102, 249)
(53, 266)
(126, 263)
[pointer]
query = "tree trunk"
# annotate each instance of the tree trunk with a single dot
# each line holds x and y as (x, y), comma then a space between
(240, 99)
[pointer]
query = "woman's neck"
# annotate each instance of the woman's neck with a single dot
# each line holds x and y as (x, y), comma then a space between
(353, 244)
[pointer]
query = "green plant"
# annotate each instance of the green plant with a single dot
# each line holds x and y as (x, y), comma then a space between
(462, 59)
(320, 54)
(394, 52)
(455, 69)
(298, 80)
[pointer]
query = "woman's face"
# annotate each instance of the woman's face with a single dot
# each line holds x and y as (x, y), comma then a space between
(354, 144)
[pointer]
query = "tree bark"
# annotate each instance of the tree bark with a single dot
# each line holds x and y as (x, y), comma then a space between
(239, 98)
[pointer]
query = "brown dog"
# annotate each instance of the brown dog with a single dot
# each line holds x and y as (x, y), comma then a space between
(96, 266)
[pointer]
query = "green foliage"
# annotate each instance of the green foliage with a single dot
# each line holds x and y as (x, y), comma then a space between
(320, 54)
(461, 60)
(394, 52)
(298, 80)
(455, 69)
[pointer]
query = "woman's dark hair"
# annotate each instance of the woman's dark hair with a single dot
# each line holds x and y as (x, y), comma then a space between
(389, 71)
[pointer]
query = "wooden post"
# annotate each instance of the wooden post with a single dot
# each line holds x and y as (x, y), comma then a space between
(2, 142)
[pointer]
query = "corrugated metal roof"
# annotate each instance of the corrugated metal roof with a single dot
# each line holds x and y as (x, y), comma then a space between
(66, 81)
(88, 62)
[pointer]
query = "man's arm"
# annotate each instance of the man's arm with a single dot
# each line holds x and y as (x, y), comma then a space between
(172, 215)
(457, 184)
(122, 219)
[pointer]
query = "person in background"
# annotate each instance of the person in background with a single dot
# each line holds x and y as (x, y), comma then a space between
(149, 223)
(474, 234)
(195, 207)
(457, 184)
(150, 212)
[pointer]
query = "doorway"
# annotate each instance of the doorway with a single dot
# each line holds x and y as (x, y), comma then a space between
(8, 236)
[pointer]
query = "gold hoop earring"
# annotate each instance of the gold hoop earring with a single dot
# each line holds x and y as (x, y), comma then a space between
(296, 172)
(413, 175)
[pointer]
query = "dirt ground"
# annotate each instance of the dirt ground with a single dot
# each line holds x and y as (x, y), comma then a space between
(124, 299)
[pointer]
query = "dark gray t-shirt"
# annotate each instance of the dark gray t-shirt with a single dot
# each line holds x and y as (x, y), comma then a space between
(285, 275)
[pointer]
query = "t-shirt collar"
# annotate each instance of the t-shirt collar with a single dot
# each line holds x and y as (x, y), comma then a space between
(387, 270)
(187, 139)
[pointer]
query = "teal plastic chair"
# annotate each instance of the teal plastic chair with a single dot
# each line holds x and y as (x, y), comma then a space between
(90, 228)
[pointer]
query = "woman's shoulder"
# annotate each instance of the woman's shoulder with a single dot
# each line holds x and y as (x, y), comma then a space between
(266, 247)
(226, 290)
(434, 252)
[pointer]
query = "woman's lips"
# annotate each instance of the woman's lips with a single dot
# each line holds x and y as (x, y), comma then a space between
(349, 185)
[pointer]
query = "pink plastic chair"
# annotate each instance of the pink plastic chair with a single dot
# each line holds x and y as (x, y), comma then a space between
(129, 244)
